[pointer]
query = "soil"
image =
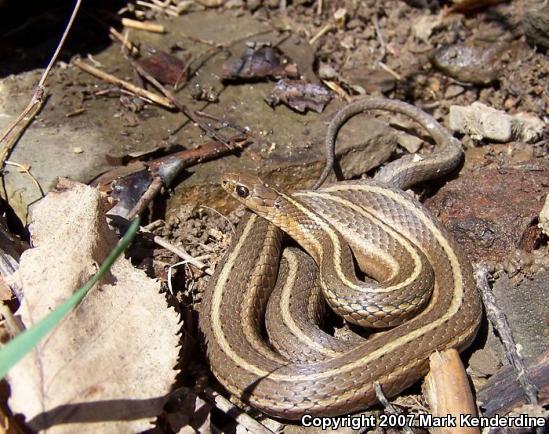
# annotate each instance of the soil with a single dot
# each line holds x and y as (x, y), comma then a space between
(389, 48)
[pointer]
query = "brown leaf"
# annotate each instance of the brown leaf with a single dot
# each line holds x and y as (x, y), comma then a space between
(262, 62)
(109, 365)
(166, 68)
(300, 95)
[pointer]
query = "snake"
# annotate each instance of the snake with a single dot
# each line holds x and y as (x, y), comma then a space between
(365, 249)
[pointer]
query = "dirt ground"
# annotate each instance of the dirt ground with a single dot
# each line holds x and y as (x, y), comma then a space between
(422, 52)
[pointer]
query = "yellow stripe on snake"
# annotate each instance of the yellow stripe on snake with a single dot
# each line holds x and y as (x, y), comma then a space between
(418, 285)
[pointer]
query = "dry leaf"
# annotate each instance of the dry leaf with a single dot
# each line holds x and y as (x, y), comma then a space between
(260, 62)
(109, 365)
(300, 95)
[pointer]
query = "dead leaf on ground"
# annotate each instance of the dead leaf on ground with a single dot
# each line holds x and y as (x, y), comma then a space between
(258, 63)
(300, 95)
(166, 68)
(109, 365)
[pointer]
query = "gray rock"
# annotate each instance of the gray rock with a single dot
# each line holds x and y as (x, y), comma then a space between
(484, 122)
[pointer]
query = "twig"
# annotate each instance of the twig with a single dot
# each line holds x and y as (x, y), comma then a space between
(109, 78)
(179, 251)
(321, 32)
(76, 112)
(182, 6)
(153, 225)
(319, 7)
(46, 73)
(230, 409)
(337, 89)
(380, 38)
(499, 321)
(127, 44)
(390, 71)
(180, 106)
(140, 25)
(153, 189)
(14, 131)
(389, 408)
(171, 267)
(26, 170)
(223, 122)
(157, 7)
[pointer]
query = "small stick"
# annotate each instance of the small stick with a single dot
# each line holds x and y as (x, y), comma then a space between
(158, 8)
(151, 192)
(499, 321)
(14, 131)
(76, 112)
(321, 32)
(390, 71)
(153, 225)
(129, 46)
(109, 78)
(337, 89)
(240, 416)
(165, 169)
(319, 7)
(179, 251)
(380, 38)
(140, 25)
(181, 107)
(221, 121)
(389, 408)
(26, 170)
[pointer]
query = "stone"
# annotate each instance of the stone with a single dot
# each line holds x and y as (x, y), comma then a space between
(484, 122)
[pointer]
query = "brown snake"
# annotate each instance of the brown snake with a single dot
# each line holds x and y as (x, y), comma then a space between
(416, 278)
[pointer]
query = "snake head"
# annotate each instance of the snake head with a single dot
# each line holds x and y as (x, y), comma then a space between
(251, 191)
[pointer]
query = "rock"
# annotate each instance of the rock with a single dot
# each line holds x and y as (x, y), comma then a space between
(453, 90)
(354, 24)
(371, 80)
(211, 3)
(527, 127)
(425, 25)
(488, 212)
(484, 362)
(476, 62)
(481, 122)
(409, 142)
(544, 217)
(526, 306)
(234, 4)
(484, 122)
(536, 26)
(253, 4)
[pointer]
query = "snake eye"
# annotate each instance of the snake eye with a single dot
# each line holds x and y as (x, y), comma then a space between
(242, 191)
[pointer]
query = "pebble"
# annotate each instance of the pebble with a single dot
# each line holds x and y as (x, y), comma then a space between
(453, 90)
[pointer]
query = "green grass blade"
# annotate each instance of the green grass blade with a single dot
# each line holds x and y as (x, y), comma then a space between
(25, 341)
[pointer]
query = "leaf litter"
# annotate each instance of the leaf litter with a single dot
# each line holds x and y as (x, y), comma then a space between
(110, 365)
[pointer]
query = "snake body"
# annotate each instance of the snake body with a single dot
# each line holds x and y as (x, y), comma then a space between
(416, 278)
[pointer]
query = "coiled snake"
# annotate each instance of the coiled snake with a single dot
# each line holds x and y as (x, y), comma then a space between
(417, 281)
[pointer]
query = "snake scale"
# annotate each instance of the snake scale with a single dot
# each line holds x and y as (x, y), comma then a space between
(417, 284)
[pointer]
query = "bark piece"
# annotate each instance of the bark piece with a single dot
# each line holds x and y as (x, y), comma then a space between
(447, 390)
